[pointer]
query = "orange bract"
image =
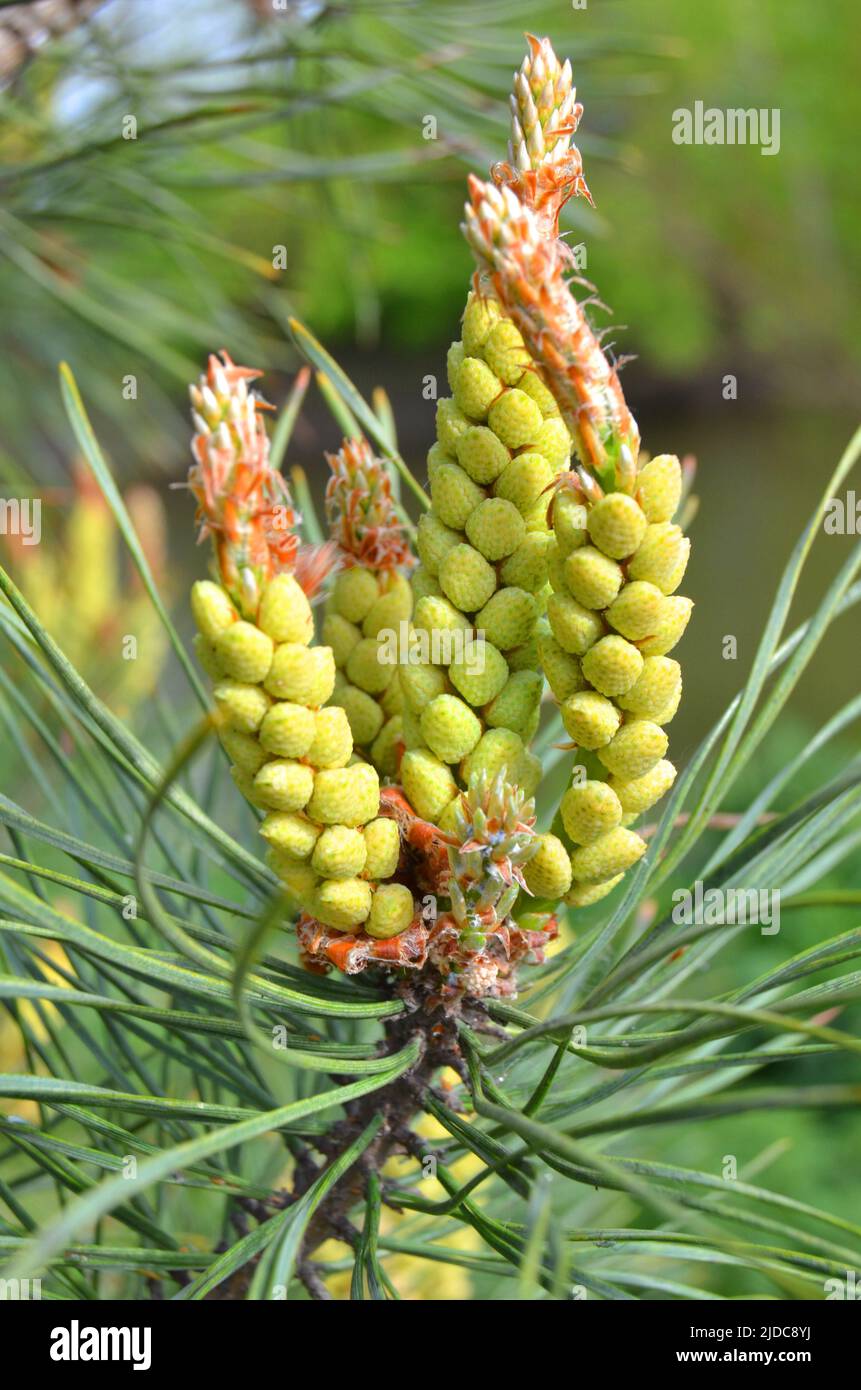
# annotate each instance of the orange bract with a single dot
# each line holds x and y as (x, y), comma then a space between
(545, 168)
(526, 272)
(360, 509)
(242, 502)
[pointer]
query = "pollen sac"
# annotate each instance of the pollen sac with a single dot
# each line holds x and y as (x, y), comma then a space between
(526, 568)
(394, 605)
(480, 316)
(244, 706)
(341, 635)
(481, 454)
(291, 834)
(496, 528)
(436, 457)
(508, 618)
(436, 618)
(243, 750)
(523, 481)
(654, 688)
(505, 352)
(662, 557)
(476, 388)
(287, 730)
(367, 667)
(284, 785)
(340, 852)
(479, 675)
(575, 627)
(548, 872)
(592, 577)
(515, 418)
(433, 541)
(454, 495)
(640, 793)
(450, 424)
(382, 848)
(675, 616)
(535, 517)
(563, 671)
(448, 819)
(285, 613)
(420, 685)
(453, 359)
(450, 728)
(423, 584)
(528, 772)
(554, 442)
(392, 698)
(245, 652)
(617, 525)
(606, 857)
(342, 903)
(516, 702)
(498, 750)
(427, 782)
(659, 487)
(355, 590)
(665, 715)
(392, 911)
(531, 383)
(524, 657)
(569, 522)
(345, 796)
(589, 809)
(212, 609)
(590, 719)
(639, 611)
(635, 749)
(612, 665)
(332, 744)
(364, 714)
(412, 729)
(302, 675)
(388, 745)
(206, 654)
(299, 880)
(467, 579)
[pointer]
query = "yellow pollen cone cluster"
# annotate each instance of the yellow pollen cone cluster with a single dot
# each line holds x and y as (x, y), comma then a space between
(292, 756)
(613, 619)
(472, 690)
(291, 752)
(615, 558)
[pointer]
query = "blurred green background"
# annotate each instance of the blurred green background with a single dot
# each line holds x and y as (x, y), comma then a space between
(259, 127)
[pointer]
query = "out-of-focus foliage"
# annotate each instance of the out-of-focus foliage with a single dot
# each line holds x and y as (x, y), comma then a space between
(85, 588)
(173, 175)
(723, 255)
